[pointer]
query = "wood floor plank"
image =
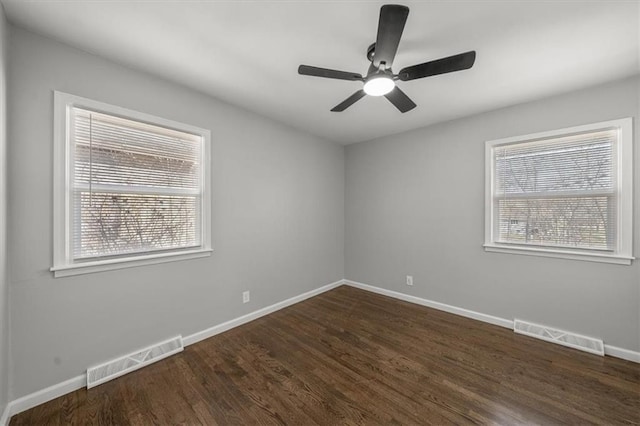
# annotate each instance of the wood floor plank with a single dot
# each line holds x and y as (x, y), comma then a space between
(352, 357)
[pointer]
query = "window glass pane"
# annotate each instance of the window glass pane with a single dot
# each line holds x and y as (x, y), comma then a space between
(114, 224)
(562, 222)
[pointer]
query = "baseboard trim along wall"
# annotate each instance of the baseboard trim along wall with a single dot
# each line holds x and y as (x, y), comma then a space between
(622, 353)
(432, 304)
(221, 328)
(40, 397)
(610, 350)
(4, 418)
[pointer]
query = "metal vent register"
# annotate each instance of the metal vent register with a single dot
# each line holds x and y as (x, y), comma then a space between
(134, 361)
(565, 338)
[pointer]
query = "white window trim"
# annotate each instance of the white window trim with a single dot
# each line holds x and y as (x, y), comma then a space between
(62, 264)
(622, 254)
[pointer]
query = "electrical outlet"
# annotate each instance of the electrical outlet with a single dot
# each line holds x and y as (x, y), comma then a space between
(246, 297)
(409, 279)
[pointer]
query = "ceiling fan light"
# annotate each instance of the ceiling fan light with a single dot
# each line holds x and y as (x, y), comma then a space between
(379, 86)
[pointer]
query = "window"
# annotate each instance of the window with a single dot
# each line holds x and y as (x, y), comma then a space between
(565, 193)
(130, 189)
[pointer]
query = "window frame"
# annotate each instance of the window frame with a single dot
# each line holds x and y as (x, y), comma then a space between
(63, 263)
(623, 251)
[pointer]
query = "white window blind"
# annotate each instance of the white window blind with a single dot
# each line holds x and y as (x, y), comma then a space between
(563, 193)
(558, 192)
(137, 187)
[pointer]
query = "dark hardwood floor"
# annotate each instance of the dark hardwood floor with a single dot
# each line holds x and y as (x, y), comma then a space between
(353, 357)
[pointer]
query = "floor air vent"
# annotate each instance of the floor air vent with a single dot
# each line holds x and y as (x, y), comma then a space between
(128, 363)
(565, 338)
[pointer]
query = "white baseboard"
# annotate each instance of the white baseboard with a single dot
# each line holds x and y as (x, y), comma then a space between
(622, 353)
(4, 418)
(40, 397)
(610, 350)
(502, 322)
(221, 328)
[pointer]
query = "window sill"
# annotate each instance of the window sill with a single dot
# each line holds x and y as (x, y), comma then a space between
(560, 254)
(112, 264)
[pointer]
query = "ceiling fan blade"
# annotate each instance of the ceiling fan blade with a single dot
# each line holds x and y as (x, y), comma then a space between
(453, 63)
(327, 73)
(349, 101)
(390, 27)
(400, 100)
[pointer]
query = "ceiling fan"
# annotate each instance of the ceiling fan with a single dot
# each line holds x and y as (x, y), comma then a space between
(380, 79)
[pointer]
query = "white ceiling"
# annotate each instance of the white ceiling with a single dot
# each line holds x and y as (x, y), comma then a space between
(247, 53)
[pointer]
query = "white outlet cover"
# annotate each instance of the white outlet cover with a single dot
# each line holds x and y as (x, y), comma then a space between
(246, 297)
(409, 279)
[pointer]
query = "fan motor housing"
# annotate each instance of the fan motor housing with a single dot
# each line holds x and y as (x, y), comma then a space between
(371, 50)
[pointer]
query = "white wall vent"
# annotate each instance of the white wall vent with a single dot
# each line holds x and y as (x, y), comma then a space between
(565, 338)
(134, 361)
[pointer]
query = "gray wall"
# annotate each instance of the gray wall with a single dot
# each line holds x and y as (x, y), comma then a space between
(278, 221)
(4, 300)
(415, 206)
